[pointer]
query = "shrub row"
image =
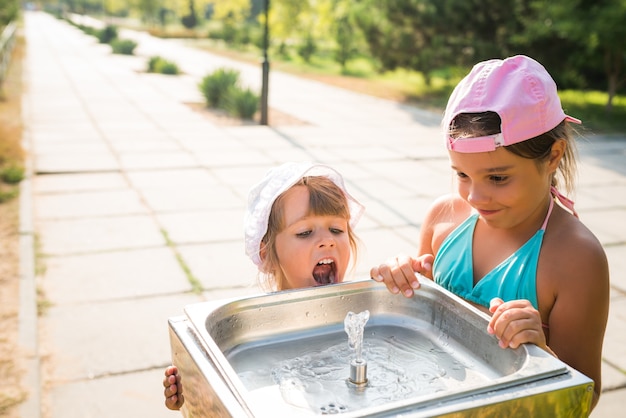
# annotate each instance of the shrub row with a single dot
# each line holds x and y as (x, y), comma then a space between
(109, 35)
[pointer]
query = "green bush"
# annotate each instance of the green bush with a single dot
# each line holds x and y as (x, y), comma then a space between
(107, 35)
(158, 64)
(153, 64)
(169, 68)
(12, 174)
(215, 86)
(123, 46)
(242, 103)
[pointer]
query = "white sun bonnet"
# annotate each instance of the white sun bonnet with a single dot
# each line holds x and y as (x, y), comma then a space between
(278, 180)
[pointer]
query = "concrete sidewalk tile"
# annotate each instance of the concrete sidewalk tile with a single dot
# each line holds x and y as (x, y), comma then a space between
(220, 264)
(98, 339)
(76, 162)
(113, 275)
(89, 204)
(144, 145)
(137, 394)
(78, 182)
(82, 147)
(604, 224)
(158, 159)
(611, 405)
(242, 177)
(612, 378)
(82, 133)
(611, 195)
(98, 234)
(387, 214)
(194, 177)
(419, 179)
(381, 188)
(407, 210)
(614, 349)
(378, 245)
(205, 139)
(592, 173)
(202, 226)
(225, 158)
(616, 256)
(115, 126)
(171, 199)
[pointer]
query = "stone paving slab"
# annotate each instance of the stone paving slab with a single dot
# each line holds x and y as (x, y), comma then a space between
(221, 264)
(63, 183)
(614, 349)
(203, 226)
(98, 234)
(110, 396)
(119, 275)
(106, 338)
(90, 204)
(617, 267)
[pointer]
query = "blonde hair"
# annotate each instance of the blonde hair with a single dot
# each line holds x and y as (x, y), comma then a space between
(325, 198)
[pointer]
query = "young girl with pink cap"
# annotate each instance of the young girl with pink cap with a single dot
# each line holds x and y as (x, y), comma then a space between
(298, 231)
(502, 242)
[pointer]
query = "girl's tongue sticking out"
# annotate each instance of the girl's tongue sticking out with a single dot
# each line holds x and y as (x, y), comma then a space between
(324, 272)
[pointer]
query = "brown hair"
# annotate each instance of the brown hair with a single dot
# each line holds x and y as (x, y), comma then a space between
(325, 198)
(471, 125)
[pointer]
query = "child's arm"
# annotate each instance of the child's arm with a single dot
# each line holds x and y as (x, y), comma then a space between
(579, 315)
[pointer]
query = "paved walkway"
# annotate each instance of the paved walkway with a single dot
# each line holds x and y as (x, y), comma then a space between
(133, 195)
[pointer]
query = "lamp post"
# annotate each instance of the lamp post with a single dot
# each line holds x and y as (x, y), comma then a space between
(265, 65)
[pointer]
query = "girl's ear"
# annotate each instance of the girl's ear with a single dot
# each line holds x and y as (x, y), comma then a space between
(262, 252)
(556, 154)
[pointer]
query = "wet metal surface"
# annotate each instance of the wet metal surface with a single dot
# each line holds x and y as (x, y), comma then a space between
(288, 352)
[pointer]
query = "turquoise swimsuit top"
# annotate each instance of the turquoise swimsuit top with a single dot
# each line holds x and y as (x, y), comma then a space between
(514, 278)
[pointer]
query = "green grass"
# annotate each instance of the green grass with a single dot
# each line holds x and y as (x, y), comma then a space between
(590, 107)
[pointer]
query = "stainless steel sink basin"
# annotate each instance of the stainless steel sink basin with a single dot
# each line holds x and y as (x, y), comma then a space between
(286, 354)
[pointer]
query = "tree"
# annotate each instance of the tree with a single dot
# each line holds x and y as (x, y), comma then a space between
(190, 20)
(594, 29)
(428, 34)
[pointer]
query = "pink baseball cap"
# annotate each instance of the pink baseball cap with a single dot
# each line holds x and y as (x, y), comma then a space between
(519, 90)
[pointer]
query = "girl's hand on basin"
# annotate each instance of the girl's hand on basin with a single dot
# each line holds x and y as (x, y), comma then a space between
(516, 322)
(173, 392)
(398, 273)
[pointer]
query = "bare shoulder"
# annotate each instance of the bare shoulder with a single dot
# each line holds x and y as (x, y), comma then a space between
(445, 214)
(449, 206)
(573, 251)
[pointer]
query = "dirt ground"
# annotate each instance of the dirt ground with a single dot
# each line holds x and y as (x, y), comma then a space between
(10, 359)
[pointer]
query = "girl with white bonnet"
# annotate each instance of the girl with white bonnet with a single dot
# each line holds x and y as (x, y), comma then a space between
(299, 232)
